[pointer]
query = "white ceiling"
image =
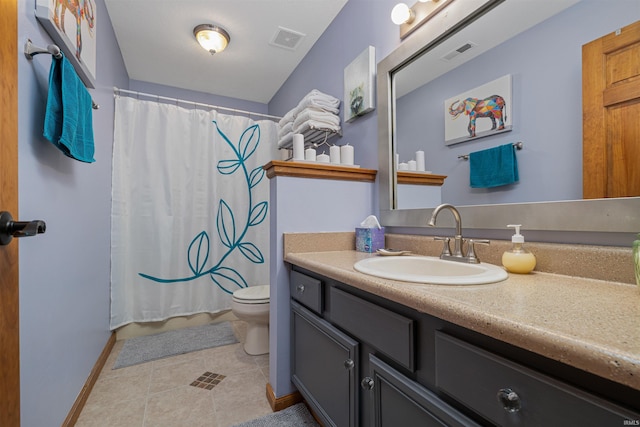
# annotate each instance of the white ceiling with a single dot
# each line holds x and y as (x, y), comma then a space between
(158, 46)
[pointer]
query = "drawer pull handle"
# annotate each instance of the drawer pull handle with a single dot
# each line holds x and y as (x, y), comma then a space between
(348, 364)
(509, 400)
(300, 289)
(367, 383)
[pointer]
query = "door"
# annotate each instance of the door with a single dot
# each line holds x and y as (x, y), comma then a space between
(323, 368)
(9, 332)
(399, 401)
(611, 107)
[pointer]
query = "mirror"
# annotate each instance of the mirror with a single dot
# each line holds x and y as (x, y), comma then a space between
(546, 198)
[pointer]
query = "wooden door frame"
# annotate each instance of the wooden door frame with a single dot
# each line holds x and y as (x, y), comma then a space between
(9, 267)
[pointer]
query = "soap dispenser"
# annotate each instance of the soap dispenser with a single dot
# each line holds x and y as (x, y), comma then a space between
(518, 259)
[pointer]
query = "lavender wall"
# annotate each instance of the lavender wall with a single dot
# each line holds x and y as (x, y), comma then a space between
(361, 23)
(335, 205)
(204, 98)
(327, 205)
(64, 273)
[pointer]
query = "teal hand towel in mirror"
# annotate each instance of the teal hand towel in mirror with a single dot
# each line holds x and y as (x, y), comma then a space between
(493, 167)
(68, 121)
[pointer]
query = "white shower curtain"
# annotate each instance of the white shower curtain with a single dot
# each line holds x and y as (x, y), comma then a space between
(189, 212)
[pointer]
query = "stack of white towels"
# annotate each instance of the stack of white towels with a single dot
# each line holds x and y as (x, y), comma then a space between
(316, 110)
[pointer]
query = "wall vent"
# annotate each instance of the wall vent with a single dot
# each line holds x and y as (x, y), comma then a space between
(286, 38)
(465, 47)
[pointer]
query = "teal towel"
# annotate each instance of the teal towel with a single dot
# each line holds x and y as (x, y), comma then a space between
(493, 167)
(68, 121)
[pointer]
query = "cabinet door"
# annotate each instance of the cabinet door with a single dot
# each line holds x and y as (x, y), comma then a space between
(400, 401)
(323, 367)
(509, 394)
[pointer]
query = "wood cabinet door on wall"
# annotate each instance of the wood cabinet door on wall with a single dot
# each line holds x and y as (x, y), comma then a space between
(611, 114)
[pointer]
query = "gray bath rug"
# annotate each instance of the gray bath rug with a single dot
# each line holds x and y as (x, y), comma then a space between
(153, 347)
(294, 416)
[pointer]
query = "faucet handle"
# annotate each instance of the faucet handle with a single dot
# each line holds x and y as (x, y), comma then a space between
(471, 249)
(446, 250)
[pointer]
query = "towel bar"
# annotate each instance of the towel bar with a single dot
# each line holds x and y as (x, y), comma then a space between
(30, 51)
(518, 146)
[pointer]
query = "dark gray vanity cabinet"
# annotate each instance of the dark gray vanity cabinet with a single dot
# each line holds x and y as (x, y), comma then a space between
(362, 360)
(334, 363)
(399, 401)
(323, 363)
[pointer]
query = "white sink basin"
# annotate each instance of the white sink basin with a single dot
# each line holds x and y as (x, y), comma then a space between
(424, 269)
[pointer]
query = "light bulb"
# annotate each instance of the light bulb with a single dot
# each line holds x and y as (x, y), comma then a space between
(401, 14)
(211, 38)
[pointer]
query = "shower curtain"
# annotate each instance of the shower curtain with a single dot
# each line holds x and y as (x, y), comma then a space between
(189, 214)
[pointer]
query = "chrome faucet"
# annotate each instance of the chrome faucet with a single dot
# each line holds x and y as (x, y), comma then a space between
(457, 245)
(458, 254)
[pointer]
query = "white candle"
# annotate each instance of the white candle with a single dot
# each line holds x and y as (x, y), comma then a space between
(346, 155)
(310, 154)
(323, 158)
(420, 160)
(412, 165)
(403, 167)
(397, 159)
(298, 146)
(334, 154)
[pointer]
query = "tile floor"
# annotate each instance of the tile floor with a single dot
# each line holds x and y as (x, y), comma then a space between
(177, 391)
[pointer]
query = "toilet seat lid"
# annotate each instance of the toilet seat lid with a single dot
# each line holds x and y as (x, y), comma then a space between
(252, 294)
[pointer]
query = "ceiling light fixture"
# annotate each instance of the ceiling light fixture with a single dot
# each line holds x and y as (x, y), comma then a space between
(212, 38)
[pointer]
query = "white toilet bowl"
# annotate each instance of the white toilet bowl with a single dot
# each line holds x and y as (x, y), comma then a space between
(252, 305)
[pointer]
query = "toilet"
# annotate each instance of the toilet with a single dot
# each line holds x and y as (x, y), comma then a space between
(252, 305)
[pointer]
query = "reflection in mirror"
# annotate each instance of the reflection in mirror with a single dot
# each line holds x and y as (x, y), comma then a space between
(543, 57)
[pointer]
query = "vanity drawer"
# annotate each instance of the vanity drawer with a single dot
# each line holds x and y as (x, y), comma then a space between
(306, 290)
(388, 332)
(509, 394)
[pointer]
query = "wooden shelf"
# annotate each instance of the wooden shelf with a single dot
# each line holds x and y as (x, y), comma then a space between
(318, 170)
(420, 178)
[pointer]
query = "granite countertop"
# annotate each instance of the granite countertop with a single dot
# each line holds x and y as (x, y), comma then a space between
(593, 325)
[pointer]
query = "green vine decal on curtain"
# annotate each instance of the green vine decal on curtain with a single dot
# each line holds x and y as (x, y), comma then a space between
(230, 235)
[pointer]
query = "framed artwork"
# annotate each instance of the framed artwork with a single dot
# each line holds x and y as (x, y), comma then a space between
(482, 111)
(359, 80)
(72, 26)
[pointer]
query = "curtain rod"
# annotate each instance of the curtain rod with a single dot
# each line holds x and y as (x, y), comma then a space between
(184, 101)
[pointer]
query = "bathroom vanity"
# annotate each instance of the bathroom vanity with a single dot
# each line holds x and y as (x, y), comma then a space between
(376, 352)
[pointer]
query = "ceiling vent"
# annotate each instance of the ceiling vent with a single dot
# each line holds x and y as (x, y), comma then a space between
(287, 39)
(465, 47)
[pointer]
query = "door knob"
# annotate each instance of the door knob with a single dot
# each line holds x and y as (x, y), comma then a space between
(367, 383)
(10, 228)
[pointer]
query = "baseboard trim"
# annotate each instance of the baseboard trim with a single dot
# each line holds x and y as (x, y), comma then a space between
(74, 413)
(280, 403)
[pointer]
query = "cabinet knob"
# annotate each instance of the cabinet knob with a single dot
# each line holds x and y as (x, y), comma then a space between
(509, 399)
(348, 364)
(300, 289)
(367, 383)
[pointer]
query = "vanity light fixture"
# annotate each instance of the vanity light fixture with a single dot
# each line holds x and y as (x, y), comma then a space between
(411, 18)
(402, 14)
(212, 38)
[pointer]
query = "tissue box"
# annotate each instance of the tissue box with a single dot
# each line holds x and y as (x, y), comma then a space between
(369, 239)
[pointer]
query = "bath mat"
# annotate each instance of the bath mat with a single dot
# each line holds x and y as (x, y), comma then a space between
(166, 344)
(293, 416)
